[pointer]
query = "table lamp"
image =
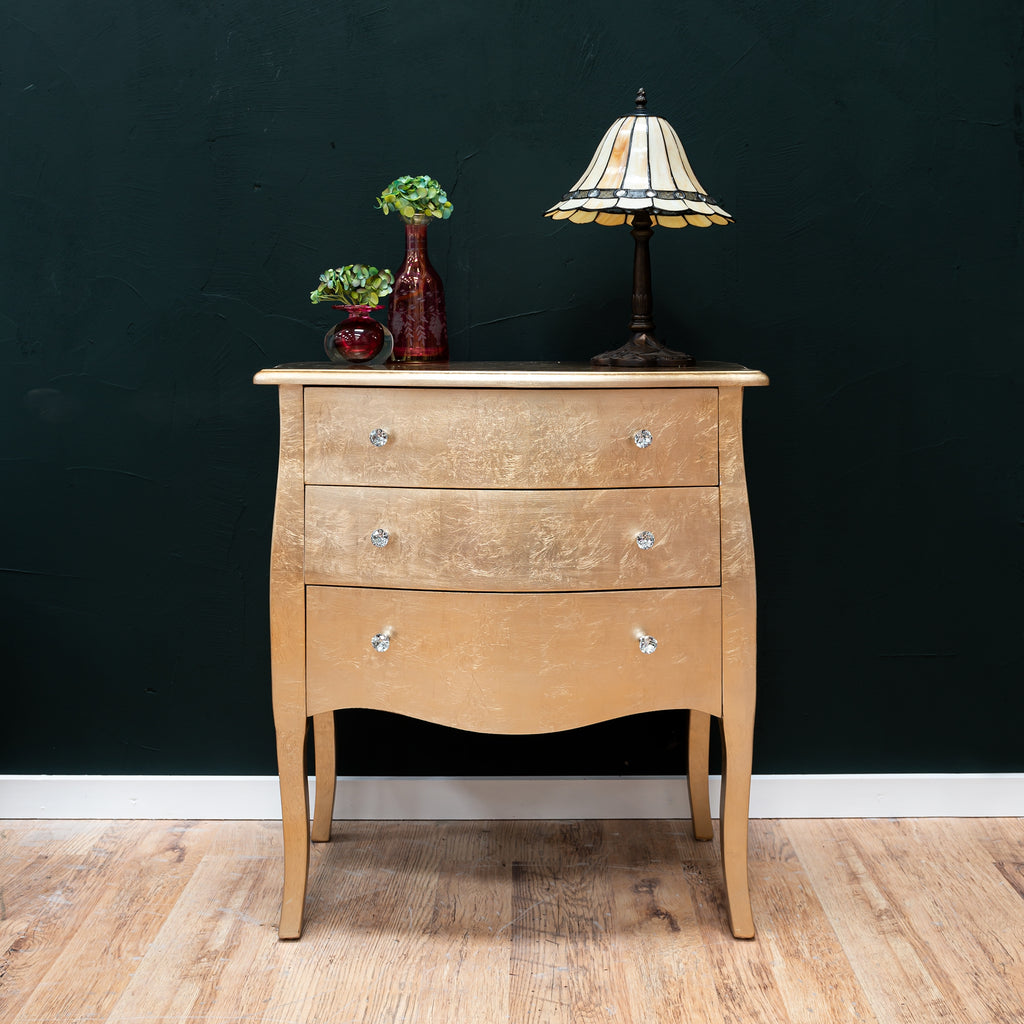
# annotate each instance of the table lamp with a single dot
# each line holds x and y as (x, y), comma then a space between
(640, 175)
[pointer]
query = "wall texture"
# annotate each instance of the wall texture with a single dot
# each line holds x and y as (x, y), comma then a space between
(175, 175)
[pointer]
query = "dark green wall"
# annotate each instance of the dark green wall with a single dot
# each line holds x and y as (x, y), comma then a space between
(175, 175)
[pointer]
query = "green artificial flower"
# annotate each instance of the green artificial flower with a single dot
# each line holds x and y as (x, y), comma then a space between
(354, 285)
(415, 196)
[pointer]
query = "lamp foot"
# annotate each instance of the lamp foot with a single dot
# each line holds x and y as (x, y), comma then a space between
(643, 350)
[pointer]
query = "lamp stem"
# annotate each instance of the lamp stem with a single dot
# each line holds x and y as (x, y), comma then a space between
(643, 301)
(642, 349)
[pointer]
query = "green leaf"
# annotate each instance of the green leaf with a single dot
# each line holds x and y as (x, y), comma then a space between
(412, 195)
(357, 284)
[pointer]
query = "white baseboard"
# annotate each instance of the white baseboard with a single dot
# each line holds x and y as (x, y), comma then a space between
(374, 798)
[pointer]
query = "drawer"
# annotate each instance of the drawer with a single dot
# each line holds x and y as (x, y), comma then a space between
(488, 540)
(513, 663)
(511, 438)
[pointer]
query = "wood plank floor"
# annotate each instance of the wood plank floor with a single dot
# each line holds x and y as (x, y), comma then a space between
(885, 921)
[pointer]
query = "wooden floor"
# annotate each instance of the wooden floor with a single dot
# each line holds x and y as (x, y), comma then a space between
(531, 922)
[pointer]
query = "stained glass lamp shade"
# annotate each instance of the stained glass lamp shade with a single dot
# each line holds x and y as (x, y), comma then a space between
(641, 176)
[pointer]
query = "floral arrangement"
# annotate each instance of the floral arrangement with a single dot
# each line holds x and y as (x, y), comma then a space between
(354, 285)
(420, 196)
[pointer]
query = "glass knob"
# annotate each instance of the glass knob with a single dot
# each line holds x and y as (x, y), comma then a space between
(643, 438)
(648, 645)
(379, 437)
(380, 538)
(645, 540)
(380, 642)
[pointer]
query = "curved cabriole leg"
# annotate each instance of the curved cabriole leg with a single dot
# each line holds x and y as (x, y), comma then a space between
(737, 759)
(323, 749)
(288, 659)
(739, 658)
(698, 747)
(291, 761)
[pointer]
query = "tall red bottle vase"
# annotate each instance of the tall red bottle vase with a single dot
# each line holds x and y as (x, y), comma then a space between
(416, 313)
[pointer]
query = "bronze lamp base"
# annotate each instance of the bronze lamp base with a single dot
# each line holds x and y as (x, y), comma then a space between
(642, 349)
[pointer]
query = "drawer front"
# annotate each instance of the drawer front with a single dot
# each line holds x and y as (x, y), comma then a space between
(513, 663)
(488, 540)
(503, 438)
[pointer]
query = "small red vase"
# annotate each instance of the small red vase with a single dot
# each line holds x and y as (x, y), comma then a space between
(357, 339)
(416, 314)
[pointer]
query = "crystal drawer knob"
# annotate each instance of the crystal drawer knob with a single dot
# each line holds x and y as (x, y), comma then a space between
(380, 538)
(643, 438)
(645, 540)
(379, 437)
(380, 642)
(648, 645)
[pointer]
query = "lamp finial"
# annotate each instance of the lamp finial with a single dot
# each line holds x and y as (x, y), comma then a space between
(641, 99)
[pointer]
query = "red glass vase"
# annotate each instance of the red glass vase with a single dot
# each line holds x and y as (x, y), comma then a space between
(416, 314)
(359, 338)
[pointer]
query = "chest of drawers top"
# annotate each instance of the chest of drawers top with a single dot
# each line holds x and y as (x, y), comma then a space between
(511, 375)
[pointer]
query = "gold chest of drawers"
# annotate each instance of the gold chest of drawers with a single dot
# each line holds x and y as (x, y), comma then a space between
(512, 548)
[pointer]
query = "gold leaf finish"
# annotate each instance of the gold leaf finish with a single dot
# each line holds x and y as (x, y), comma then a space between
(739, 651)
(513, 663)
(512, 439)
(518, 375)
(454, 539)
(287, 645)
(511, 592)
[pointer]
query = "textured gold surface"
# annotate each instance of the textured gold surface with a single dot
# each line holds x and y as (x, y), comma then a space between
(453, 539)
(739, 637)
(739, 654)
(512, 439)
(513, 663)
(287, 646)
(522, 490)
(528, 376)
